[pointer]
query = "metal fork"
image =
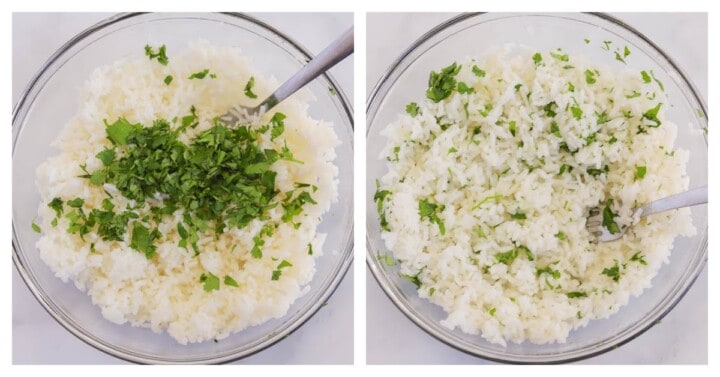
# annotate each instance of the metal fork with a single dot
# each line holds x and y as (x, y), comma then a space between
(689, 198)
(331, 55)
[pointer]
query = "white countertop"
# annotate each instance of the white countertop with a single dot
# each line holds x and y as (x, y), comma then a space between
(681, 337)
(327, 338)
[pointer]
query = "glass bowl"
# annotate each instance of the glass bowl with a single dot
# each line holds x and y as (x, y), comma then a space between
(50, 100)
(472, 35)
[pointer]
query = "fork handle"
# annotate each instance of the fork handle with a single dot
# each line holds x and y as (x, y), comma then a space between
(684, 199)
(331, 55)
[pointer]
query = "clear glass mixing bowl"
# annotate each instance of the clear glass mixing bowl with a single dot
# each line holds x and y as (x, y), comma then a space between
(472, 35)
(50, 100)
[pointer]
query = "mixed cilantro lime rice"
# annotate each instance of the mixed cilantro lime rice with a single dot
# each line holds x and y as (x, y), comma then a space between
(491, 175)
(174, 221)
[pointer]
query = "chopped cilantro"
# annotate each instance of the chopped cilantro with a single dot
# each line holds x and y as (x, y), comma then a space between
(57, 205)
(561, 57)
(507, 257)
(640, 172)
(36, 227)
(576, 111)
(571, 87)
(486, 199)
(230, 281)
(200, 74)
(379, 198)
(142, 240)
(210, 282)
(587, 41)
(428, 210)
(634, 94)
(412, 108)
(161, 55)
(310, 249)
(413, 279)
(119, 131)
(168, 79)
(492, 311)
(660, 84)
(547, 270)
(638, 258)
(452, 150)
(442, 84)
(651, 115)
(248, 87)
(518, 216)
(645, 77)
(576, 294)
(561, 236)
(278, 270)
(537, 58)
(612, 272)
(609, 218)
(590, 76)
(512, 127)
(555, 129)
(594, 172)
(463, 88)
(477, 71)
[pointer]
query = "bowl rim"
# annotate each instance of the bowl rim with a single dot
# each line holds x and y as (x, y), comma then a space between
(382, 279)
(344, 262)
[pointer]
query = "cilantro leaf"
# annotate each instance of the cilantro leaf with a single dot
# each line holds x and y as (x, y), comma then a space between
(640, 172)
(576, 294)
(442, 84)
(645, 77)
(142, 240)
(537, 58)
(609, 218)
(168, 79)
(160, 55)
(590, 76)
(249, 86)
(430, 211)
(106, 156)
(412, 108)
(36, 227)
(199, 75)
(119, 131)
(477, 71)
(210, 282)
(612, 272)
(229, 281)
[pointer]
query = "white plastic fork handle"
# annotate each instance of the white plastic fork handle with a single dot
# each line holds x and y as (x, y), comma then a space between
(684, 199)
(338, 50)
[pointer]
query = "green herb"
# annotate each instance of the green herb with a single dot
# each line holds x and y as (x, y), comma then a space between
(168, 79)
(634, 94)
(555, 129)
(612, 140)
(590, 76)
(76, 203)
(248, 87)
(442, 84)
(160, 55)
(638, 258)
(412, 108)
(387, 258)
(612, 272)
(477, 71)
(660, 84)
(278, 270)
(550, 109)
(587, 41)
(210, 282)
(430, 211)
(486, 199)
(564, 168)
(517, 87)
(530, 255)
(230, 281)
(379, 198)
(626, 52)
(607, 45)
(278, 125)
(640, 172)
(548, 270)
(518, 216)
(512, 127)
(106, 156)
(488, 108)
(142, 240)
(576, 111)
(507, 257)
(119, 131)
(609, 218)
(619, 58)
(431, 291)
(571, 87)
(36, 227)
(645, 77)
(560, 235)
(576, 294)
(651, 115)
(57, 205)
(594, 172)
(492, 311)
(561, 57)
(331, 90)
(602, 117)
(537, 58)
(310, 249)
(201, 75)
(452, 150)
(480, 232)
(463, 88)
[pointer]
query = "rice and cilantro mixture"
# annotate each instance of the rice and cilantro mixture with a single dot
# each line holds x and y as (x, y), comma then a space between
(170, 219)
(491, 177)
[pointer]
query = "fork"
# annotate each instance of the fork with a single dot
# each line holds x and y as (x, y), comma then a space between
(338, 50)
(688, 198)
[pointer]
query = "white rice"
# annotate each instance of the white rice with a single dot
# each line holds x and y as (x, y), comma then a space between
(164, 292)
(459, 270)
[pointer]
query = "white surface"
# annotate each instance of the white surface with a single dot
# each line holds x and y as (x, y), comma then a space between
(326, 338)
(680, 338)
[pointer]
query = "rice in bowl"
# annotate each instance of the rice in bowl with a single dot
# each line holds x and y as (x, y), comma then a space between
(490, 179)
(225, 285)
